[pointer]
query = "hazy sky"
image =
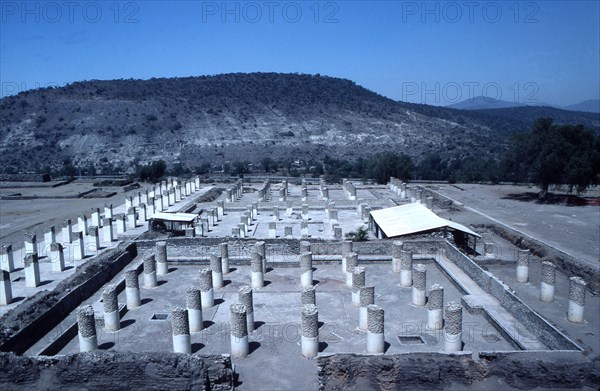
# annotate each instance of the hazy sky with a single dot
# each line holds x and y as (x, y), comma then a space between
(425, 52)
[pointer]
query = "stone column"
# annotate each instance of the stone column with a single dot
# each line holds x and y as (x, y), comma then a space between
(396, 256)
(108, 231)
(86, 325)
(67, 232)
(245, 298)
(159, 205)
(94, 238)
(453, 327)
(419, 283)
(162, 266)
(375, 330)
(31, 246)
(121, 223)
(128, 202)
(367, 297)
(358, 281)
(261, 248)
(5, 288)
(220, 209)
(32, 271)
(143, 212)
(206, 289)
(255, 209)
(57, 257)
(239, 331)
(131, 217)
(308, 295)
(112, 319)
(193, 303)
(306, 269)
(325, 193)
(150, 272)
(256, 264)
(304, 194)
(305, 212)
(289, 210)
(346, 249)
(548, 280)
(78, 246)
(406, 264)
(275, 214)
(82, 224)
(282, 197)
(217, 271)
(304, 229)
(351, 263)
(523, 265)
(165, 200)
(171, 196)
(7, 261)
(150, 207)
(224, 251)
(96, 217)
(132, 289)
(182, 342)
(310, 331)
(244, 222)
(108, 211)
(435, 319)
(50, 235)
(429, 202)
(333, 217)
(576, 299)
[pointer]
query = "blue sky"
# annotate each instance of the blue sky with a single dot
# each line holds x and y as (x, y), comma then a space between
(424, 52)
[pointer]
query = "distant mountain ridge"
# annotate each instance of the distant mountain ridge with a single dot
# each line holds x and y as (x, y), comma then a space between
(114, 125)
(487, 103)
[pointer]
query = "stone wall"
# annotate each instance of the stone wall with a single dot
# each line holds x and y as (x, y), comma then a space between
(410, 371)
(116, 371)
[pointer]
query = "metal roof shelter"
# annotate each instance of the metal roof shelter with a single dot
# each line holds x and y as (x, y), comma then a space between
(413, 219)
(173, 222)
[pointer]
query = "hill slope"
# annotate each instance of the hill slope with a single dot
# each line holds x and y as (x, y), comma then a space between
(232, 117)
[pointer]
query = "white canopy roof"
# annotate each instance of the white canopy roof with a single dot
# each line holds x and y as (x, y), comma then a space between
(167, 216)
(411, 219)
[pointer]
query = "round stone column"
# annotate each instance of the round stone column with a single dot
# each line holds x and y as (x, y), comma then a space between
(206, 288)
(523, 265)
(132, 289)
(308, 295)
(396, 256)
(358, 281)
(548, 281)
(112, 319)
(576, 299)
(406, 264)
(245, 297)
(375, 334)
(351, 263)
(161, 259)
(453, 327)
(224, 250)
(419, 281)
(256, 266)
(239, 331)
(306, 268)
(435, 313)
(181, 331)
(367, 297)
(150, 272)
(310, 331)
(193, 304)
(86, 326)
(217, 271)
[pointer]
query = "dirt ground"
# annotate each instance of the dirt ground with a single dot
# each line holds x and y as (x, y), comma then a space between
(573, 229)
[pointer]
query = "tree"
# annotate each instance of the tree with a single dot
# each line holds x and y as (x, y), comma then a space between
(360, 235)
(152, 172)
(555, 155)
(389, 164)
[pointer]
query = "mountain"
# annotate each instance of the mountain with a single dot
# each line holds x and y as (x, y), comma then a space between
(114, 125)
(483, 102)
(588, 106)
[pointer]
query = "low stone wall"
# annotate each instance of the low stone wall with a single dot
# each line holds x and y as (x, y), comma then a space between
(410, 371)
(116, 371)
(25, 324)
